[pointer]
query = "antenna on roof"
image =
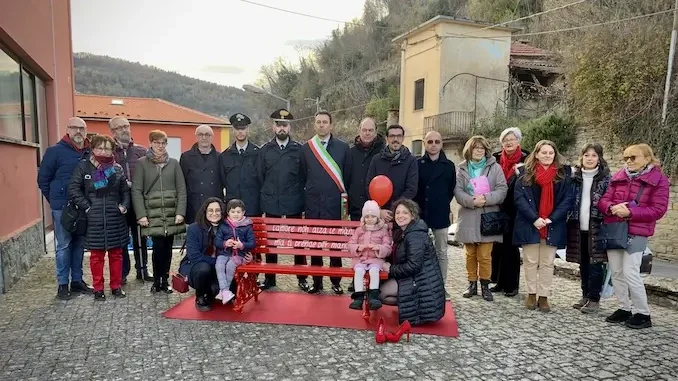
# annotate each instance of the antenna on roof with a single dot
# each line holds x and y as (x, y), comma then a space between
(118, 102)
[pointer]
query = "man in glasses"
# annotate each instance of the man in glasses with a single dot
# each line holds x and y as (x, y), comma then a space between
(397, 163)
(200, 166)
(437, 179)
(54, 175)
(282, 185)
(127, 154)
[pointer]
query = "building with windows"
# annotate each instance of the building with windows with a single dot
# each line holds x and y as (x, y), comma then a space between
(147, 114)
(36, 100)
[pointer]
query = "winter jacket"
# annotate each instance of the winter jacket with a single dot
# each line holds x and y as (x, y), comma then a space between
(323, 196)
(468, 224)
(508, 206)
(165, 200)
(365, 235)
(653, 202)
(437, 180)
(402, 170)
(128, 157)
(198, 247)
(241, 231)
(361, 157)
(202, 179)
(282, 184)
(238, 175)
(598, 188)
(106, 226)
(526, 198)
(421, 291)
(56, 170)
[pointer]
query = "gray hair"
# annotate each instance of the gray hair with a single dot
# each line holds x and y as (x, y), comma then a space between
(511, 130)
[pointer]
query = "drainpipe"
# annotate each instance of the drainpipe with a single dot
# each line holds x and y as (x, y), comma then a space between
(402, 81)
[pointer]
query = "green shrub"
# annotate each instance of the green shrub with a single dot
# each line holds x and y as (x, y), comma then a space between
(557, 128)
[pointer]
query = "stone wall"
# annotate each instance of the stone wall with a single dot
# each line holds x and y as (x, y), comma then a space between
(19, 253)
(665, 240)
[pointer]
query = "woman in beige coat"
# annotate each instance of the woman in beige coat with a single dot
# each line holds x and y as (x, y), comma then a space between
(481, 188)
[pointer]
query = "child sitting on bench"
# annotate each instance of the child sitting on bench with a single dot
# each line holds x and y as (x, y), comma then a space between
(234, 239)
(370, 244)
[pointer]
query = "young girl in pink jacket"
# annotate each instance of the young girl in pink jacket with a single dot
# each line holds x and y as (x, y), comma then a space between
(370, 244)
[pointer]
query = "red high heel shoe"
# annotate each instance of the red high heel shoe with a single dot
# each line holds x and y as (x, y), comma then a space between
(381, 327)
(395, 337)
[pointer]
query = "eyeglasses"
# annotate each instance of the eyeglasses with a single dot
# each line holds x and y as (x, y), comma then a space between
(279, 123)
(77, 128)
(395, 136)
(123, 127)
(102, 149)
(509, 140)
(213, 211)
(157, 143)
(204, 135)
(479, 148)
(433, 141)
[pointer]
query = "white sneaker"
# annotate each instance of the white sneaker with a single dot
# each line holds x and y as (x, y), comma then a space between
(220, 295)
(228, 295)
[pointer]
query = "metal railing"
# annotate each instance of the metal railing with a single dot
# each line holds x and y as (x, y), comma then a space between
(451, 125)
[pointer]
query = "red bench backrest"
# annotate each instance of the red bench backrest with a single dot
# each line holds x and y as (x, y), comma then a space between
(292, 236)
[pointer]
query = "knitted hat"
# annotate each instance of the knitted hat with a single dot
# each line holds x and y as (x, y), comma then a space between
(371, 208)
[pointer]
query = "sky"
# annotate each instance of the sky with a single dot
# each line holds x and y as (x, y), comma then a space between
(221, 41)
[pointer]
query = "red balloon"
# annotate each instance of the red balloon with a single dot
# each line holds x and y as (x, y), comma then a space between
(381, 189)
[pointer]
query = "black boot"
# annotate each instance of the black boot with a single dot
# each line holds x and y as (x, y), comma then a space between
(471, 290)
(164, 286)
(156, 286)
(63, 293)
(357, 303)
(485, 289)
(373, 299)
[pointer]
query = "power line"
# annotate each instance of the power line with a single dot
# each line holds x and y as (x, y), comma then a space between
(346, 109)
(527, 17)
(294, 12)
(568, 29)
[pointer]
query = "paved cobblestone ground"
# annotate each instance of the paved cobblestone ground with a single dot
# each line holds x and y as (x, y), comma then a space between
(42, 338)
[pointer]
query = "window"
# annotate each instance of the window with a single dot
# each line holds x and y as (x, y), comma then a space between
(417, 147)
(419, 94)
(19, 118)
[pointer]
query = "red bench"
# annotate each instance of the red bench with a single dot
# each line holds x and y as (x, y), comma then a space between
(291, 236)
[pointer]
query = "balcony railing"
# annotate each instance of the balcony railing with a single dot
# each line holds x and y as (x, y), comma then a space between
(451, 125)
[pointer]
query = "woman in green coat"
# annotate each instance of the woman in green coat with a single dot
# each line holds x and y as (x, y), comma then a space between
(159, 200)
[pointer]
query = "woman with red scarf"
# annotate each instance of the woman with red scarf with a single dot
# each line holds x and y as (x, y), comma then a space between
(505, 255)
(543, 197)
(99, 187)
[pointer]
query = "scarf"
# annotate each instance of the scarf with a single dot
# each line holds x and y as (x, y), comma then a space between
(365, 146)
(643, 171)
(509, 162)
(105, 169)
(211, 233)
(474, 170)
(544, 178)
(157, 159)
(394, 156)
(70, 141)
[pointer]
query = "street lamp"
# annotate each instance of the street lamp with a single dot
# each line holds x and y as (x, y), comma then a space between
(259, 90)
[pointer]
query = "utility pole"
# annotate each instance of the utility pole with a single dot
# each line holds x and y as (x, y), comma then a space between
(669, 70)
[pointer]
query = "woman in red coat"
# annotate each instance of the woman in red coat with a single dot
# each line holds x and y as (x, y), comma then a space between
(638, 194)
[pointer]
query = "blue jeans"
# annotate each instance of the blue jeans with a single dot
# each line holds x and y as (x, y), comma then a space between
(70, 251)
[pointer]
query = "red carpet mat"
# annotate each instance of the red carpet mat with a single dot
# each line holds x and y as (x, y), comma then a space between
(295, 308)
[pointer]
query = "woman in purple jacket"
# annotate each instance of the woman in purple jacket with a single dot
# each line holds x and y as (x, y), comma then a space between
(638, 194)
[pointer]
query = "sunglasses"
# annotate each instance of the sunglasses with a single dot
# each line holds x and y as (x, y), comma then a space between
(632, 158)
(433, 141)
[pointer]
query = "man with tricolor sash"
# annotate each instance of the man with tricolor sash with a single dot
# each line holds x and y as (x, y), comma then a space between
(326, 167)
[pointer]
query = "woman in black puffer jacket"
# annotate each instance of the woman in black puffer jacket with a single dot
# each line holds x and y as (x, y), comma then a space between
(99, 187)
(415, 283)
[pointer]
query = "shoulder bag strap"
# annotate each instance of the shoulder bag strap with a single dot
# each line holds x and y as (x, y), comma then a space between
(153, 183)
(640, 193)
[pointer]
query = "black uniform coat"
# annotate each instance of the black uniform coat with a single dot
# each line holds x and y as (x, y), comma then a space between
(201, 173)
(282, 186)
(323, 196)
(437, 180)
(360, 162)
(238, 174)
(421, 290)
(106, 226)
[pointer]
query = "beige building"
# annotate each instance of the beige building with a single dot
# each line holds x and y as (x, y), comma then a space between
(452, 72)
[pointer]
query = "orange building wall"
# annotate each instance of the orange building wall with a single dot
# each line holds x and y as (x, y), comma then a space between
(44, 45)
(140, 133)
(19, 200)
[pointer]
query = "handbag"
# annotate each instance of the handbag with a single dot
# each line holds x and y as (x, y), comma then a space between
(179, 280)
(646, 263)
(615, 235)
(494, 223)
(74, 218)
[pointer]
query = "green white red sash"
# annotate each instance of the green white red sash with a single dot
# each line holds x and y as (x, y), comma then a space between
(326, 160)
